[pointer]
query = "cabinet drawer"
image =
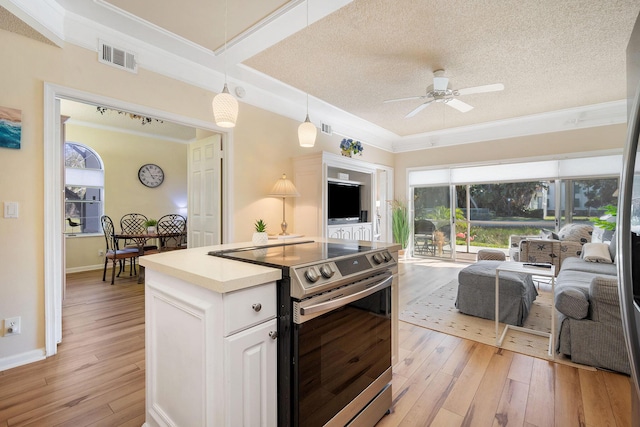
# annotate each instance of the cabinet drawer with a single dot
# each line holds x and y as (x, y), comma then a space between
(248, 307)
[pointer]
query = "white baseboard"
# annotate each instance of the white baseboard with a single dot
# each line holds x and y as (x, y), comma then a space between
(85, 268)
(22, 359)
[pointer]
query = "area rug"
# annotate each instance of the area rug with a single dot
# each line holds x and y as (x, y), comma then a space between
(437, 311)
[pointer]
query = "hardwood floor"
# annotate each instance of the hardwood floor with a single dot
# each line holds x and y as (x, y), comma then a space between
(443, 380)
(97, 378)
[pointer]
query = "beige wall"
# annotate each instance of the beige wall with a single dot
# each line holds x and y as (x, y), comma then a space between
(534, 146)
(122, 155)
(263, 145)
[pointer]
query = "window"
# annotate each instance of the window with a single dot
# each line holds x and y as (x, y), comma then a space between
(84, 189)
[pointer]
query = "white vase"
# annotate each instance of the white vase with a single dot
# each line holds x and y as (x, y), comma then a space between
(260, 238)
(151, 229)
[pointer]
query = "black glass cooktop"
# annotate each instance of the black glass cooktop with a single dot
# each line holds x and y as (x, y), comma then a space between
(292, 254)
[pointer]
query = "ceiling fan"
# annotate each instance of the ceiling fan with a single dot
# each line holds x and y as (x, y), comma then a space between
(440, 91)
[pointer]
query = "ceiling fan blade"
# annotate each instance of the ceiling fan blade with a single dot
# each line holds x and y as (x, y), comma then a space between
(418, 109)
(459, 105)
(405, 99)
(481, 89)
(440, 83)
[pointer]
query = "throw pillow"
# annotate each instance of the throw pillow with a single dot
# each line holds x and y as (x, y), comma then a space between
(612, 247)
(549, 234)
(596, 252)
(576, 233)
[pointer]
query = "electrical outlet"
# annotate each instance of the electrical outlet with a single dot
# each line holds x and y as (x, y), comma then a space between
(11, 326)
(100, 252)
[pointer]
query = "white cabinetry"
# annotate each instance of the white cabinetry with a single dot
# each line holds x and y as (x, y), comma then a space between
(211, 357)
(311, 214)
(359, 231)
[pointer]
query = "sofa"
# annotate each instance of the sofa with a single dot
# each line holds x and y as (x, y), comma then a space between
(589, 327)
(549, 246)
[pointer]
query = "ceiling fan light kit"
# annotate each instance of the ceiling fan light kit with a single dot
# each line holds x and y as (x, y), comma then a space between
(440, 92)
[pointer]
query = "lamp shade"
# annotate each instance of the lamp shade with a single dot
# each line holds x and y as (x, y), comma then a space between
(307, 133)
(284, 188)
(225, 108)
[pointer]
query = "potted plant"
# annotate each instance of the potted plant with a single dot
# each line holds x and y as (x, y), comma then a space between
(151, 224)
(400, 224)
(260, 236)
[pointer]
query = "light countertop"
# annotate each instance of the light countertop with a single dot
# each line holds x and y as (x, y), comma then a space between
(219, 274)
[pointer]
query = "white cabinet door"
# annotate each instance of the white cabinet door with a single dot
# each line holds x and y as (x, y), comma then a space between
(362, 231)
(251, 376)
(340, 231)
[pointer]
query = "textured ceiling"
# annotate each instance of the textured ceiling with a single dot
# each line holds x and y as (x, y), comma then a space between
(9, 22)
(549, 54)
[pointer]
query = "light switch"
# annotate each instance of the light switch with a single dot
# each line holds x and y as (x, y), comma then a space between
(11, 209)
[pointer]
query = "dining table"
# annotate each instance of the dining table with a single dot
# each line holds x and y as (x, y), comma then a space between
(140, 239)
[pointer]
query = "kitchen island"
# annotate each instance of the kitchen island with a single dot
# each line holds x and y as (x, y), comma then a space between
(211, 339)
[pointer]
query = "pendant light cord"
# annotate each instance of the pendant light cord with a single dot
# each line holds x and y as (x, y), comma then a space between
(306, 28)
(225, 40)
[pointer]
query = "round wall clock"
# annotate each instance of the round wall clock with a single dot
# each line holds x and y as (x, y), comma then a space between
(151, 175)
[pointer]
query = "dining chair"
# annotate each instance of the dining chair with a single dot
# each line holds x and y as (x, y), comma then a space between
(133, 223)
(114, 254)
(423, 234)
(174, 228)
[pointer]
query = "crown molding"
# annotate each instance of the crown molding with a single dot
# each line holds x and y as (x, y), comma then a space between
(44, 16)
(588, 116)
(202, 68)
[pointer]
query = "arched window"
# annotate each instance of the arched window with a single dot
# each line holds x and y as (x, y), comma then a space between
(83, 188)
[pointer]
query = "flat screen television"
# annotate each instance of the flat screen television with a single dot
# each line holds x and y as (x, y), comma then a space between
(343, 202)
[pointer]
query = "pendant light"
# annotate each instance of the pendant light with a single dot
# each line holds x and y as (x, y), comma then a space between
(225, 106)
(307, 131)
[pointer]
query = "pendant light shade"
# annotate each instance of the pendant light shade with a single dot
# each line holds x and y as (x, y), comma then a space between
(307, 133)
(225, 108)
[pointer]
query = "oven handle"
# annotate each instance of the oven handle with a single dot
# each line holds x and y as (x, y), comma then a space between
(339, 302)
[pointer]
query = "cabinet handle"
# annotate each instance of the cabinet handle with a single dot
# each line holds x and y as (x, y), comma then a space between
(273, 334)
(257, 307)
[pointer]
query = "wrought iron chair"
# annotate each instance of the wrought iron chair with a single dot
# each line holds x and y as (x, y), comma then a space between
(114, 254)
(423, 237)
(172, 232)
(133, 223)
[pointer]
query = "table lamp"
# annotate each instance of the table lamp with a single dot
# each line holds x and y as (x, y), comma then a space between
(284, 188)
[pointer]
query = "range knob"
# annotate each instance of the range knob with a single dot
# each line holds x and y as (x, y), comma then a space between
(327, 271)
(378, 258)
(311, 275)
(386, 256)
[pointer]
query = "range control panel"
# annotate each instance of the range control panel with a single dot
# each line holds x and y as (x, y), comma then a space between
(325, 275)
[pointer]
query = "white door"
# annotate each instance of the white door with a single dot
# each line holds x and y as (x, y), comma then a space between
(251, 374)
(204, 223)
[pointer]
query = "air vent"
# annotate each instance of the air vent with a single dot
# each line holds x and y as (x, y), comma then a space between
(117, 57)
(326, 129)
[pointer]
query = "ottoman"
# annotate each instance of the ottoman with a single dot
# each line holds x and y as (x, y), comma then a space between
(490, 254)
(476, 293)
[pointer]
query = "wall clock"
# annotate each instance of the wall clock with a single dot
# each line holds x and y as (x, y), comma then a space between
(151, 175)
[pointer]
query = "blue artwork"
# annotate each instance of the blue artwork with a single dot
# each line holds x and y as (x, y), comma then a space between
(10, 127)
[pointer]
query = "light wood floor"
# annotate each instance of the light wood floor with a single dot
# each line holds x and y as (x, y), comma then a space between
(97, 378)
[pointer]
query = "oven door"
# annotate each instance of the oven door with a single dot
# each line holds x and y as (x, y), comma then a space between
(341, 351)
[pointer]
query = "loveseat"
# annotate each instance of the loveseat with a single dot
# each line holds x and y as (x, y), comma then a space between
(549, 246)
(589, 327)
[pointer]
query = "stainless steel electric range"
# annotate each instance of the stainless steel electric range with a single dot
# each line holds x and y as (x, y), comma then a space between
(334, 330)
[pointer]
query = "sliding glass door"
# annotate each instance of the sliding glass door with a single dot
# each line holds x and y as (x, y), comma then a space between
(433, 223)
(486, 215)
